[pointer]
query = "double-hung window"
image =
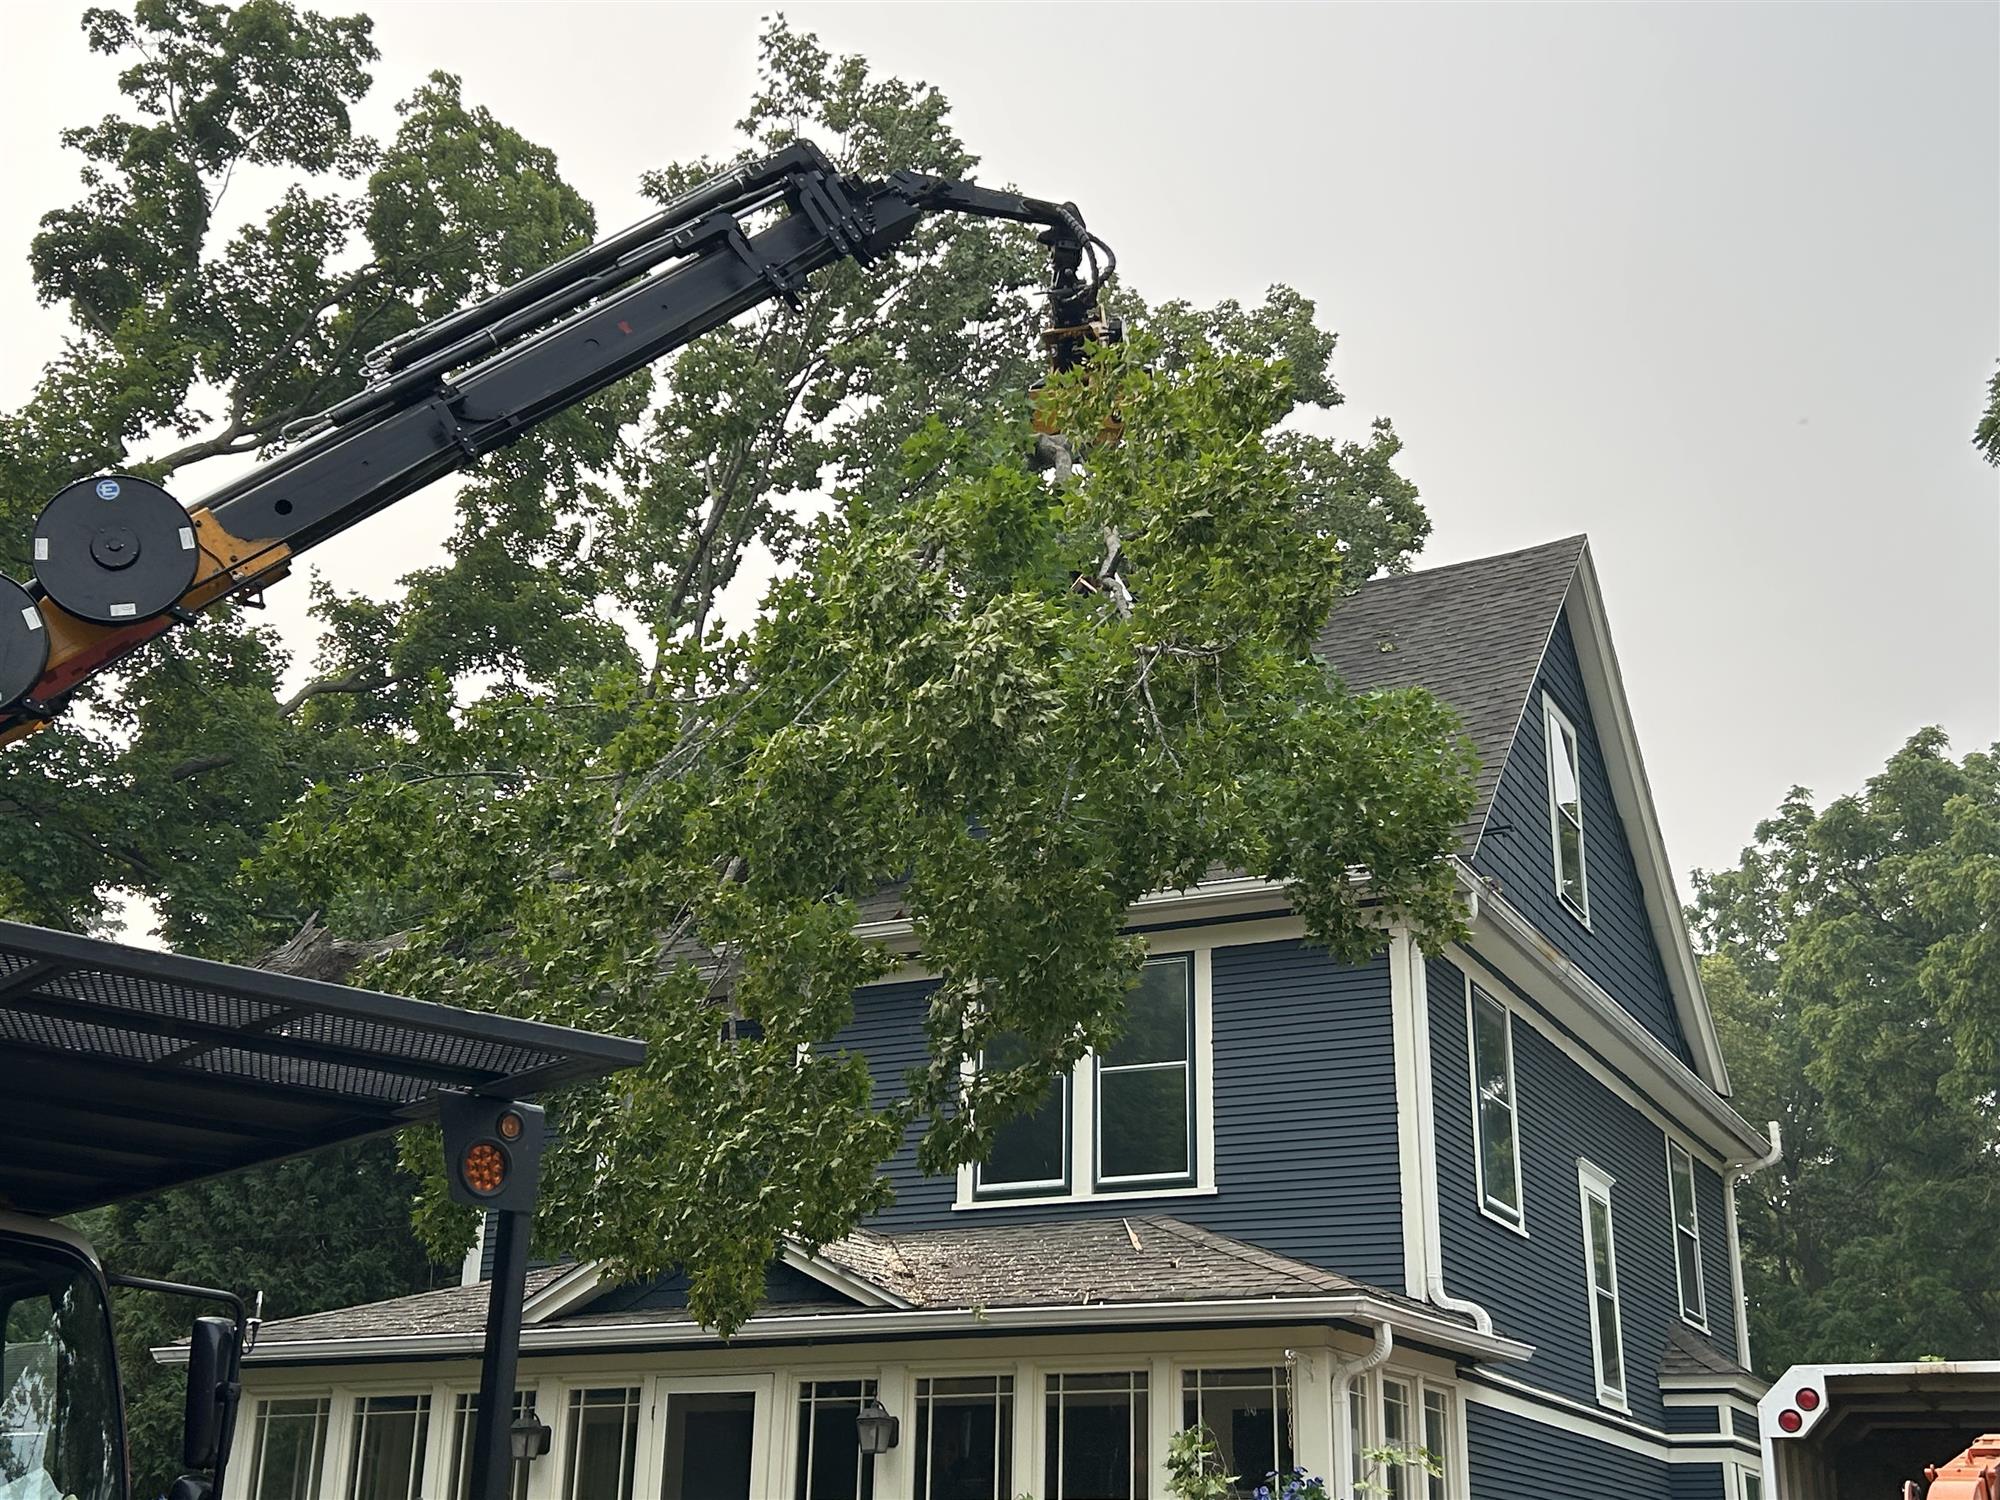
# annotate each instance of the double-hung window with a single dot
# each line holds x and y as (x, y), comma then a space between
(1095, 1429)
(965, 1438)
(603, 1449)
(1687, 1233)
(1600, 1255)
(387, 1456)
(1123, 1121)
(290, 1437)
(1145, 1083)
(1249, 1414)
(1418, 1462)
(831, 1465)
(1490, 1026)
(1566, 810)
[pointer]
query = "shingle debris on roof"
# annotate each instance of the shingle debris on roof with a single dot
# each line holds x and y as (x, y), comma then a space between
(1473, 633)
(1137, 1260)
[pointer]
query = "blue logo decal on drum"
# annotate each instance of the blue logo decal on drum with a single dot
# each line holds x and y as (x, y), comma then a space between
(107, 489)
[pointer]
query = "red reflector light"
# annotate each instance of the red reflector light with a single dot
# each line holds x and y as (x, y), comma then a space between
(1806, 1399)
(1790, 1420)
(509, 1125)
(485, 1168)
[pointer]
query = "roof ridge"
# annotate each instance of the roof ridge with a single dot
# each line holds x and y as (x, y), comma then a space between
(1578, 539)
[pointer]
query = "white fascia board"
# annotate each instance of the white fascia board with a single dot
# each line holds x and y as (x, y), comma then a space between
(573, 1288)
(839, 1278)
(1076, 1317)
(1235, 895)
(1584, 1006)
(1630, 789)
(1700, 1390)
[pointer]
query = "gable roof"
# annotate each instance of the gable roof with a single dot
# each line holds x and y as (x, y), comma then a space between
(1473, 633)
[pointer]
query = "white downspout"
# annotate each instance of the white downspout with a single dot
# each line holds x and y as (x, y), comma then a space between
(1346, 1462)
(1406, 962)
(1733, 1173)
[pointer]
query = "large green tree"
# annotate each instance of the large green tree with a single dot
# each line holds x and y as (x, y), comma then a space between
(549, 773)
(1855, 971)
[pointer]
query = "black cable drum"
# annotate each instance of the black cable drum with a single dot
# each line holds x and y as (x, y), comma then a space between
(24, 643)
(114, 549)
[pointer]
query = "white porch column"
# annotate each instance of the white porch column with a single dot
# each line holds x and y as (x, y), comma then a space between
(1163, 1418)
(1312, 1410)
(1028, 1405)
(895, 1471)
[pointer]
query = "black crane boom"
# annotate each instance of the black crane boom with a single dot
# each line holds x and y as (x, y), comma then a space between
(118, 561)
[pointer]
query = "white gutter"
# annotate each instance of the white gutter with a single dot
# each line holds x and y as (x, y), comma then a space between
(1406, 962)
(1734, 1173)
(1068, 1317)
(1345, 1461)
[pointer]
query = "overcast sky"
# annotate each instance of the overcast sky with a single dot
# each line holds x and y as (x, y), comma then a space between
(1718, 285)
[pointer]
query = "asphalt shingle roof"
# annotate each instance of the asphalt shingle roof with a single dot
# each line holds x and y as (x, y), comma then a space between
(1688, 1353)
(1473, 633)
(1136, 1260)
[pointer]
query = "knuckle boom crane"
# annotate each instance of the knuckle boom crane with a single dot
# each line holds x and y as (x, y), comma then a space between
(118, 561)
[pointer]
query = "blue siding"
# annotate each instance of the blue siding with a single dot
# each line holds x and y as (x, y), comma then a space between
(1535, 1286)
(1695, 1482)
(1617, 949)
(1305, 1130)
(1691, 1419)
(1745, 1424)
(1513, 1458)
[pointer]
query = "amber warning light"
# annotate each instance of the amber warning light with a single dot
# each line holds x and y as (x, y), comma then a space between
(493, 1148)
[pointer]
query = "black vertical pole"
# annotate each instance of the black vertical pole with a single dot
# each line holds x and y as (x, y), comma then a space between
(492, 1449)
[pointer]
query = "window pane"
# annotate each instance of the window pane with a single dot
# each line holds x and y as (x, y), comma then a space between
(1492, 1062)
(965, 1438)
(1249, 1413)
(831, 1464)
(1032, 1149)
(1569, 841)
(1357, 1428)
(1143, 1122)
(1562, 769)
(709, 1436)
(1396, 1434)
(1156, 1016)
(1437, 1441)
(1690, 1273)
(1096, 1436)
(1600, 1245)
(603, 1442)
(463, 1410)
(291, 1441)
(1607, 1339)
(1682, 1176)
(1753, 1486)
(388, 1455)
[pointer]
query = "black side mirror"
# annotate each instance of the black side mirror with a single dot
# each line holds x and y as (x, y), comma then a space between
(211, 1373)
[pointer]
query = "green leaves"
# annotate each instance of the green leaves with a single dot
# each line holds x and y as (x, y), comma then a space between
(1854, 982)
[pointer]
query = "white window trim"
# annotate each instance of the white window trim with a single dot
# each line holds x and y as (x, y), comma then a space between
(1099, 1182)
(1519, 1222)
(1457, 1481)
(1594, 1182)
(1700, 1318)
(1552, 717)
(1084, 1185)
(1739, 1476)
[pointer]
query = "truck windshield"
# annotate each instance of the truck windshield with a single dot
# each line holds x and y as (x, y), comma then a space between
(61, 1423)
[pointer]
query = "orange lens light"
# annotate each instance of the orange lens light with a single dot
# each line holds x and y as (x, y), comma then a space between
(510, 1125)
(485, 1168)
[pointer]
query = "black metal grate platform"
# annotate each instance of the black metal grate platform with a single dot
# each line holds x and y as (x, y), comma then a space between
(124, 1070)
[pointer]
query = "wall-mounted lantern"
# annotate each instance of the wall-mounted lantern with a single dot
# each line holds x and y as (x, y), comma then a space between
(528, 1437)
(877, 1428)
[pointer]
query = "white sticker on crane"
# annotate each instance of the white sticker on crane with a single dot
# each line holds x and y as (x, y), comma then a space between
(187, 539)
(122, 611)
(33, 616)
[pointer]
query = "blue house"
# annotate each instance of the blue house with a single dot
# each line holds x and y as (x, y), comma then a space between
(1474, 1207)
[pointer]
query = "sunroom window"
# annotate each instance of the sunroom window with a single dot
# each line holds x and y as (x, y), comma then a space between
(603, 1443)
(1566, 811)
(1601, 1266)
(1687, 1233)
(1494, 1119)
(464, 1410)
(390, 1435)
(1095, 1428)
(291, 1442)
(965, 1438)
(831, 1465)
(1248, 1412)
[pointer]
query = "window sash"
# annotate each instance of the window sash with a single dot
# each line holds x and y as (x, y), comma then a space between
(1495, 1109)
(971, 1400)
(1601, 1269)
(1566, 814)
(1687, 1233)
(1067, 1393)
(282, 1418)
(1218, 1388)
(1437, 1441)
(984, 1185)
(379, 1434)
(832, 1400)
(585, 1402)
(464, 1408)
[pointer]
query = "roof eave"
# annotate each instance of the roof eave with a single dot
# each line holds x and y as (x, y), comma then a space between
(1359, 1308)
